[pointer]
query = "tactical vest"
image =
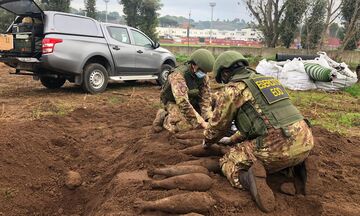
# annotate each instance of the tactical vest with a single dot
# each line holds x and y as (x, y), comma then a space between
(193, 83)
(274, 102)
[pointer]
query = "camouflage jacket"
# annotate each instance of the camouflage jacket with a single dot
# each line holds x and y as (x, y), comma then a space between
(180, 92)
(229, 100)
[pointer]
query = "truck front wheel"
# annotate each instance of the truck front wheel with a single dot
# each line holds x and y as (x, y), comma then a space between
(164, 73)
(52, 83)
(95, 78)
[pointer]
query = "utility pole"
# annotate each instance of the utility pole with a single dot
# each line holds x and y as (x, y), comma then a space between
(106, 10)
(188, 32)
(212, 5)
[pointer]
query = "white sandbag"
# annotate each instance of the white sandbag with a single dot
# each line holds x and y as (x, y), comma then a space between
(345, 70)
(268, 68)
(320, 61)
(342, 68)
(294, 76)
(341, 81)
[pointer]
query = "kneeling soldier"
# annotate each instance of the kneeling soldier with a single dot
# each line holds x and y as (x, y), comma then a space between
(272, 134)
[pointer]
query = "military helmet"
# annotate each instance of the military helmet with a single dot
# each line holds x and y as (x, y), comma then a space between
(226, 60)
(204, 59)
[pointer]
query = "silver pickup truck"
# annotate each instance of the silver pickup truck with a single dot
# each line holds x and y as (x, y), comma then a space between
(54, 47)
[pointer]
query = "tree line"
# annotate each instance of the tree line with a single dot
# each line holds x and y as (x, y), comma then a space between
(281, 21)
(141, 14)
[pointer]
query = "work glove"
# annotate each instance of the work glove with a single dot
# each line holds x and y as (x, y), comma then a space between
(225, 141)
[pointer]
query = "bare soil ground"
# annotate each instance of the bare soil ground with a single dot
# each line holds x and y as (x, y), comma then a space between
(107, 138)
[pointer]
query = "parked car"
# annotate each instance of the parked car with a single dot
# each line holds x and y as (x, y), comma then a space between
(54, 47)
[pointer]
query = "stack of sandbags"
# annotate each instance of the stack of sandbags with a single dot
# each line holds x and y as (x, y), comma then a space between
(295, 76)
(319, 73)
(343, 76)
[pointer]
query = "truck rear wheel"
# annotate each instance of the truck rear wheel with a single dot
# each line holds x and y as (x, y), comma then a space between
(52, 83)
(96, 78)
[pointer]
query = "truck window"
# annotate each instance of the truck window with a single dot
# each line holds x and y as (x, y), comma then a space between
(75, 25)
(119, 34)
(140, 39)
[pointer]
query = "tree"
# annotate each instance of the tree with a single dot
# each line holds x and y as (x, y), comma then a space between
(132, 12)
(90, 8)
(314, 25)
(294, 12)
(56, 5)
(6, 18)
(269, 14)
(350, 10)
(142, 14)
(332, 13)
(334, 29)
(166, 22)
(150, 18)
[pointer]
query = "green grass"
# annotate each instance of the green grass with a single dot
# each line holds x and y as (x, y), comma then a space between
(354, 90)
(348, 119)
(179, 45)
(114, 100)
(192, 45)
(181, 58)
(9, 193)
(50, 108)
(337, 112)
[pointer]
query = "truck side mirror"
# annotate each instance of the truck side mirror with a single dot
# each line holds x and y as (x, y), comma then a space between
(156, 45)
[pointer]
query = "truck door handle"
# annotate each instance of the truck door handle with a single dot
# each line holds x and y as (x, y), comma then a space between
(140, 51)
(116, 48)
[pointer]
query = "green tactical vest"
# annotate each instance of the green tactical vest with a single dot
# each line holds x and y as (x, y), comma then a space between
(193, 83)
(274, 102)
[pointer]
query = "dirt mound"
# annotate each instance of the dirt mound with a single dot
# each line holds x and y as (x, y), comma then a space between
(112, 148)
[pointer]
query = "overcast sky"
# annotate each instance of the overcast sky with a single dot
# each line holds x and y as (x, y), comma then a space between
(200, 9)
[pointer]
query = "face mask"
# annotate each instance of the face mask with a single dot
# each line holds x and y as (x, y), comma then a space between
(199, 74)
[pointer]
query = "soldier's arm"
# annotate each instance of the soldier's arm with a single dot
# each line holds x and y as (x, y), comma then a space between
(180, 92)
(225, 111)
(237, 137)
(223, 115)
(205, 101)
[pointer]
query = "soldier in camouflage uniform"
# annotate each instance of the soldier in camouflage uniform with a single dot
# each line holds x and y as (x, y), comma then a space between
(272, 134)
(186, 95)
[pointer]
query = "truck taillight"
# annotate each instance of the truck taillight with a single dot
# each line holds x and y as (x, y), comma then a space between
(48, 44)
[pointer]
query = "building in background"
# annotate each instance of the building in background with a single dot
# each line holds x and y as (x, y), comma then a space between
(243, 37)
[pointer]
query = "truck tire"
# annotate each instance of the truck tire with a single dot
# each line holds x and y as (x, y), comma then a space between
(52, 83)
(96, 78)
(164, 73)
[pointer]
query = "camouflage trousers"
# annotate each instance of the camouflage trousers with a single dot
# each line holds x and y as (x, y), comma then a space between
(174, 120)
(276, 152)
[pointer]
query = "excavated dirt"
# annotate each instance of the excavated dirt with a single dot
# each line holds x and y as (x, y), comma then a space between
(108, 140)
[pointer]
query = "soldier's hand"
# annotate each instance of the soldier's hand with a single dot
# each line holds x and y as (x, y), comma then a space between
(204, 124)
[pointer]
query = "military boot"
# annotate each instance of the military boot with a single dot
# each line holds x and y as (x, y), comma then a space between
(308, 172)
(159, 120)
(254, 180)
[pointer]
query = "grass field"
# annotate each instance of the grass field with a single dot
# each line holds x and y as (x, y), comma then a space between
(335, 111)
